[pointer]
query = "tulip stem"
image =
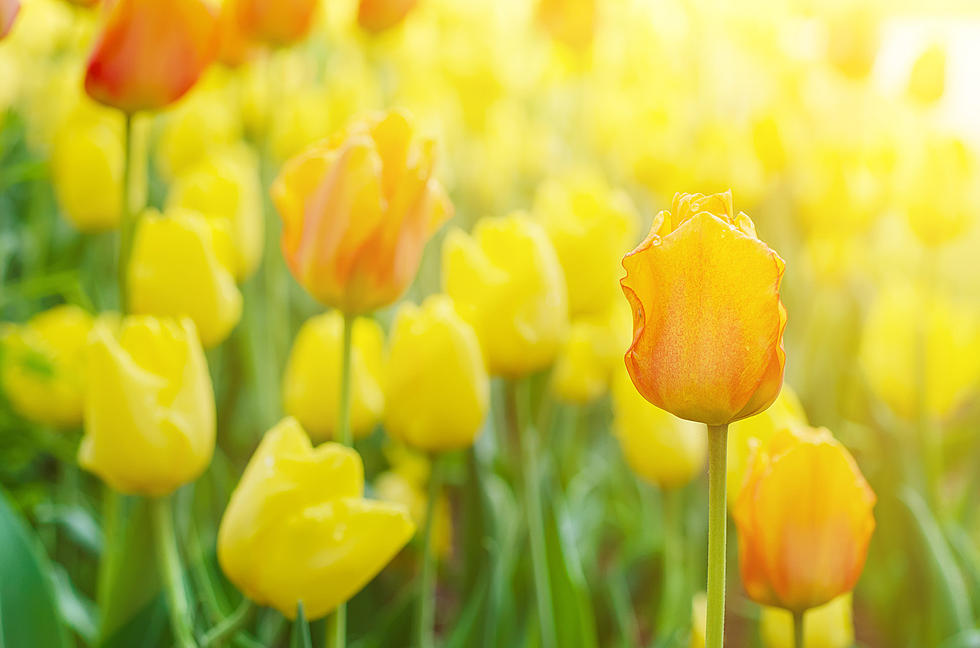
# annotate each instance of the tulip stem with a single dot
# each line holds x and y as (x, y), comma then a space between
(426, 609)
(127, 224)
(171, 571)
(717, 529)
(673, 561)
(798, 628)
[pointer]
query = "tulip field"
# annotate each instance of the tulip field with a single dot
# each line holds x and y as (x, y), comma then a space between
(489, 324)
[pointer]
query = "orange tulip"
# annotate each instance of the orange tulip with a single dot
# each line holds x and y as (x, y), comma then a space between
(8, 12)
(275, 22)
(379, 15)
(84, 3)
(804, 520)
(357, 210)
(150, 53)
(571, 22)
(234, 46)
(707, 318)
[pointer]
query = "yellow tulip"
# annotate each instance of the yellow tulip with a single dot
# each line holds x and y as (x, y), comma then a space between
(397, 488)
(297, 527)
(852, 40)
(927, 80)
(301, 120)
(942, 199)
(590, 225)
(591, 352)
(43, 365)
(572, 22)
(149, 405)
(507, 282)
(437, 390)
(661, 448)
(226, 186)
(889, 353)
(827, 626)
(180, 266)
(699, 619)
(745, 436)
(311, 382)
(87, 167)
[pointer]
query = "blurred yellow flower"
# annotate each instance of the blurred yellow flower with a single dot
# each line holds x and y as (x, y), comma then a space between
(592, 350)
(699, 619)
(311, 382)
(507, 282)
(397, 488)
(853, 40)
(226, 186)
(591, 226)
(181, 266)
(826, 626)
(301, 509)
(149, 405)
(437, 390)
(43, 365)
(660, 448)
(950, 331)
(572, 22)
(379, 15)
(302, 119)
(942, 197)
(927, 80)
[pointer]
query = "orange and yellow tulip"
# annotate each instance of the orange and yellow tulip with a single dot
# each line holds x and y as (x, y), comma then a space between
(804, 520)
(379, 15)
(357, 210)
(707, 318)
(275, 22)
(150, 53)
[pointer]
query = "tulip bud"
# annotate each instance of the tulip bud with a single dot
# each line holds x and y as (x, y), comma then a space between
(199, 285)
(302, 510)
(927, 80)
(150, 53)
(659, 447)
(899, 323)
(379, 15)
(275, 22)
(87, 161)
(8, 13)
(826, 626)
(506, 281)
(707, 318)
(804, 520)
(226, 187)
(311, 382)
(149, 405)
(357, 210)
(591, 353)
(437, 391)
(590, 225)
(397, 488)
(43, 365)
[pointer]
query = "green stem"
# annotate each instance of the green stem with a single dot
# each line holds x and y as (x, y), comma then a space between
(111, 548)
(426, 609)
(798, 629)
(168, 563)
(717, 529)
(229, 626)
(127, 221)
(673, 562)
(527, 438)
(337, 622)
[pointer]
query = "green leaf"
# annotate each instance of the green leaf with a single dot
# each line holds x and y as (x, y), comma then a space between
(77, 522)
(78, 611)
(301, 630)
(569, 588)
(28, 611)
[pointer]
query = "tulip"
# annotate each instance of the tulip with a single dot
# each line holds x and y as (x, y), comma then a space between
(927, 80)
(437, 390)
(590, 225)
(659, 447)
(234, 46)
(942, 199)
(699, 619)
(826, 626)
(87, 162)
(571, 22)
(43, 366)
(904, 329)
(226, 187)
(591, 353)
(852, 41)
(8, 13)
(379, 15)
(299, 121)
(150, 53)
(395, 487)
(181, 267)
(302, 509)
(311, 383)
(149, 405)
(275, 22)
(357, 210)
(506, 281)
(804, 520)
(707, 318)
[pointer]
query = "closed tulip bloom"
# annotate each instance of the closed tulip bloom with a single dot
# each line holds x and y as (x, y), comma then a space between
(927, 80)
(44, 365)
(379, 15)
(8, 12)
(149, 405)
(398, 488)
(275, 22)
(826, 626)
(659, 447)
(853, 39)
(181, 267)
(311, 382)
(707, 318)
(437, 391)
(357, 210)
(506, 281)
(226, 187)
(301, 509)
(942, 198)
(235, 48)
(590, 354)
(804, 520)
(150, 53)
